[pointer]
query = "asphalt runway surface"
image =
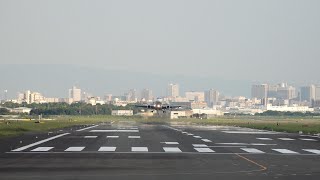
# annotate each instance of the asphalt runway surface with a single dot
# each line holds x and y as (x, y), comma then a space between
(127, 150)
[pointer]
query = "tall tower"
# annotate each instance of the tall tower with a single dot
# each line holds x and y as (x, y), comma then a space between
(146, 94)
(211, 97)
(260, 91)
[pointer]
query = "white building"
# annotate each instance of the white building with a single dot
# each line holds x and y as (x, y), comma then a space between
(173, 90)
(177, 114)
(208, 112)
(122, 113)
(75, 94)
(289, 108)
(195, 96)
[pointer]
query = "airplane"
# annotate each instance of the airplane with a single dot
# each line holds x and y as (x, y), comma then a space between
(158, 106)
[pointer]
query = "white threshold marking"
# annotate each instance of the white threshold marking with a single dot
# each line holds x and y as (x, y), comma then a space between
(134, 137)
(206, 140)
(197, 136)
(286, 139)
(204, 150)
(267, 139)
(39, 142)
(74, 149)
(248, 144)
(115, 130)
(184, 132)
(89, 137)
(315, 151)
(285, 151)
(107, 149)
(171, 149)
(42, 149)
(199, 145)
(190, 134)
(252, 150)
(139, 149)
(87, 128)
(112, 136)
(170, 142)
(250, 132)
(305, 139)
(232, 143)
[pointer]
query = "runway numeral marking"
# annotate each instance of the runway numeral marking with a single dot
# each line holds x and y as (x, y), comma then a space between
(315, 151)
(171, 149)
(42, 149)
(285, 151)
(107, 149)
(73, 149)
(252, 150)
(207, 150)
(139, 149)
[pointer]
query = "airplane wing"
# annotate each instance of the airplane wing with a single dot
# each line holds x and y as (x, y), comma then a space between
(142, 106)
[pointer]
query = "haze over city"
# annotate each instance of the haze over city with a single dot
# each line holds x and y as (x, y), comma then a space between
(221, 44)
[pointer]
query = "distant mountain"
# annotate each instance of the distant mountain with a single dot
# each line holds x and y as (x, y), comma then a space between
(55, 80)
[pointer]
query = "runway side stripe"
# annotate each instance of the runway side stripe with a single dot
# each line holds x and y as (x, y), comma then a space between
(267, 139)
(87, 128)
(39, 142)
(73, 149)
(134, 137)
(199, 145)
(90, 137)
(252, 150)
(285, 151)
(286, 139)
(306, 139)
(42, 149)
(170, 143)
(315, 151)
(197, 136)
(204, 150)
(112, 136)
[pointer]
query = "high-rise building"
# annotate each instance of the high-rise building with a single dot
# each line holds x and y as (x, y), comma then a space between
(146, 94)
(286, 92)
(132, 95)
(211, 97)
(317, 93)
(307, 93)
(195, 96)
(75, 94)
(259, 91)
(173, 90)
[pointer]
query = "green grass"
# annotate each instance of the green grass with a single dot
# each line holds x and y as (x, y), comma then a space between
(307, 125)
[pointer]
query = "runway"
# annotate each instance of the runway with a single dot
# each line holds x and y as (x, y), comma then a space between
(129, 150)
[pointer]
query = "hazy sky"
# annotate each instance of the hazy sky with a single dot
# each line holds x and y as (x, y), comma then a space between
(254, 40)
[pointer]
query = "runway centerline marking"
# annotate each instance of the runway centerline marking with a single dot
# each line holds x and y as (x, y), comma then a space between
(306, 139)
(139, 149)
(87, 128)
(107, 149)
(250, 132)
(286, 139)
(171, 149)
(74, 149)
(199, 145)
(115, 130)
(112, 136)
(134, 137)
(267, 139)
(90, 137)
(206, 140)
(252, 150)
(42, 149)
(39, 142)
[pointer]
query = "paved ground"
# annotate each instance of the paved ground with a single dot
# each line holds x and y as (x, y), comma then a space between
(133, 151)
